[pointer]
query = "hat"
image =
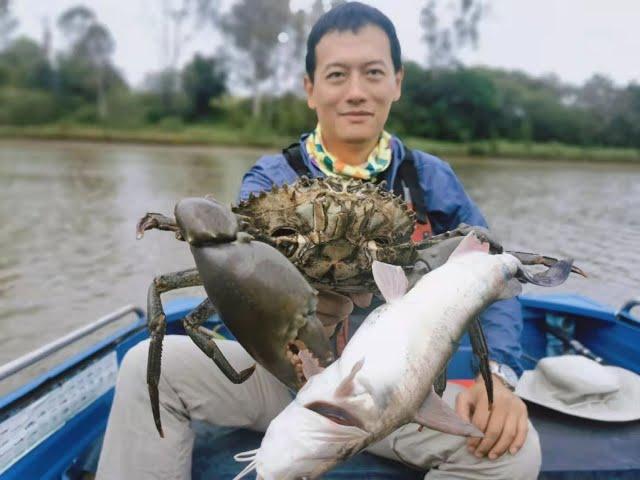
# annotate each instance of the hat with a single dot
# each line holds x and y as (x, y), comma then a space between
(578, 386)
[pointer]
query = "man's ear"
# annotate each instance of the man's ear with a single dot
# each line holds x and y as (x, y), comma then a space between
(399, 76)
(308, 87)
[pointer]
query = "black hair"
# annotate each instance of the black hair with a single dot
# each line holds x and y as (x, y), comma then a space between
(351, 16)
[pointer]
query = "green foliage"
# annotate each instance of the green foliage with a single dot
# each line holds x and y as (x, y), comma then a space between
(203, 80)
(90, 48)
(624, 126)
(171, 124)
(21, 106)
(289, 114)
(24, 64)
(236, 111)
(126, 109)
(478, 103)
(455, 104)
(478, 111)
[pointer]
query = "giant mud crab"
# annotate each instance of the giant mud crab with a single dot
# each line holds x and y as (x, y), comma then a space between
(259, 260)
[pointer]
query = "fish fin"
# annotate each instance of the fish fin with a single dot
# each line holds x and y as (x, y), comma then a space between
(390, 279)
(310, 365)
(512, 289)
(434, 413)
(470, 243)
(346, 385)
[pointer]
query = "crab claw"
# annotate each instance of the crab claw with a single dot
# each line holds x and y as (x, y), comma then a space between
(552, 277)
(535, 259)
(266, 303)
(156, 221)
(205, 221)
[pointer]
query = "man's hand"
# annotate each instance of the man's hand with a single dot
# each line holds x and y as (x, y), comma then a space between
(505, 427)
(334, 308)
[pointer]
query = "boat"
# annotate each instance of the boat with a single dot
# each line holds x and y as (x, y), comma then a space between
(52, 427)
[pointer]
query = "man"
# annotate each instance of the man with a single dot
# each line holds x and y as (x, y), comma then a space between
(354, 74)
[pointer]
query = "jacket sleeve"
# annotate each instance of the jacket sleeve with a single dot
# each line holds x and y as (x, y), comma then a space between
(268, 171)
(254, 181)
(449, 205)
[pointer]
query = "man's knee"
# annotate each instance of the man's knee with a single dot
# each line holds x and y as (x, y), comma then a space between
(527, 462)
(133, 369)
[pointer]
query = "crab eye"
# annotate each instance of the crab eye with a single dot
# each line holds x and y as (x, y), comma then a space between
(286, 240)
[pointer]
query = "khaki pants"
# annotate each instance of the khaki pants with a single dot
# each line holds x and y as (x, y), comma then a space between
(192, 388)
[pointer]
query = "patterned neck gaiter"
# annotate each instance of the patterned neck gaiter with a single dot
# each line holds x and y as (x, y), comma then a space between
(378, 161)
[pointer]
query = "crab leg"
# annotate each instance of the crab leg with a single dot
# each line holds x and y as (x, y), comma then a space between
(434, 252)
(157, 323)
(481, 351)
(463, 230)
(193, 326)
(157, 221)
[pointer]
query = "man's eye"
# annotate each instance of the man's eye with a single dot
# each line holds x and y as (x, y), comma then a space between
(334, 75)
(375, 72)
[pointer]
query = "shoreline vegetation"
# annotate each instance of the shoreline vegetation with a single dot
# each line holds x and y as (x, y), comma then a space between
(215, 135)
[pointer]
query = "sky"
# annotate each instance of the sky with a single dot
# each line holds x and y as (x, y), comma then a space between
(573, 39)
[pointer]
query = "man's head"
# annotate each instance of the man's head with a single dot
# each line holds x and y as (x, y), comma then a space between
(354, 72)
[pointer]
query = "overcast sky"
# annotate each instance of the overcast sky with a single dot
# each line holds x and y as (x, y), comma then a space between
(571, 38)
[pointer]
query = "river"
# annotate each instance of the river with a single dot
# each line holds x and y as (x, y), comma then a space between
(68, 252)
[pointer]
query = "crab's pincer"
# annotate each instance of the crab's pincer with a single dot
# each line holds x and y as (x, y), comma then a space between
(265, 302)
(205, 221)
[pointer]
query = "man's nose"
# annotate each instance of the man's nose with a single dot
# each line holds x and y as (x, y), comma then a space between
(356, 93)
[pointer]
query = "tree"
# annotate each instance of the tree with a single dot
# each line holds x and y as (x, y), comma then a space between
(203, 79)
(624, 127)
(24, 64)
(178, 14)
(8, 24)
(457, 104)
(255, 29)
(444, 40)
(177, 23)
(90, 47)
(74, 24)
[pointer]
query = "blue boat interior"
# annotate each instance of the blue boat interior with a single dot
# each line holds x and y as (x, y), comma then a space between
(573, 448)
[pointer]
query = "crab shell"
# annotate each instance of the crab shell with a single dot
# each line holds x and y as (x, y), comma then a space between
(332, 229)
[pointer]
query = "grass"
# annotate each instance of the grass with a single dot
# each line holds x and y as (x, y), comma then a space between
(526, 150)
(248, 137)
(179, 135)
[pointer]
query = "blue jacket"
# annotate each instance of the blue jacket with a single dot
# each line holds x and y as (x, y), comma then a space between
(448, 205)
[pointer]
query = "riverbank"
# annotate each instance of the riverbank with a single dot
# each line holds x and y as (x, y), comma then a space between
(225, 136)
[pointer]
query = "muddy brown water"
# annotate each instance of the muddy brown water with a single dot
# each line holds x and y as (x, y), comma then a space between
(68, 252)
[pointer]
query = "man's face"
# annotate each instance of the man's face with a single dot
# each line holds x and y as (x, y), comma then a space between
(354, 84)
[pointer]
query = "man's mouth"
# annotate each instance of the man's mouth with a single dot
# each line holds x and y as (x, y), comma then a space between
(357, 113)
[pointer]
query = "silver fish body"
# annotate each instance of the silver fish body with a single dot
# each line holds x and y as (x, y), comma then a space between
(384, 377)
